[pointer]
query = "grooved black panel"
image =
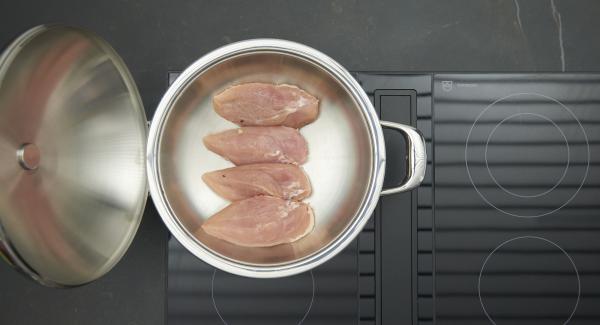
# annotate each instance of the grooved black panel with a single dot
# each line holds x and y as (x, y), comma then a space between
(517, 227)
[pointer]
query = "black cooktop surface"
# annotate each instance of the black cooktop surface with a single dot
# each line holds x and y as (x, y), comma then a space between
(517, 213)
(199, 294)
(505, 228)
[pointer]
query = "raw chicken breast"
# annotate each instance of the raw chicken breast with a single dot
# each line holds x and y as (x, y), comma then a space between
(280, 180)
(261, 221)
(263, 104)
(252, 145)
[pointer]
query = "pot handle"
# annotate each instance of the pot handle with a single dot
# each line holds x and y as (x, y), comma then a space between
(417, 157)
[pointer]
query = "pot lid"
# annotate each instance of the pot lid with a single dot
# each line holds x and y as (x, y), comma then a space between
(72, 156)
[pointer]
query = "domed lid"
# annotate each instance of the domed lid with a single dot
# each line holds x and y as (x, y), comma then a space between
(72, 156)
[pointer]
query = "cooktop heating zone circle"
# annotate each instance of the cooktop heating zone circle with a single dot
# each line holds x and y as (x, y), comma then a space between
(567, 154)
(527, 155)
(290, 297)
(529, 278)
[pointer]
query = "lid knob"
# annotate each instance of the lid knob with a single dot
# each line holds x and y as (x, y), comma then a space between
(29, 156)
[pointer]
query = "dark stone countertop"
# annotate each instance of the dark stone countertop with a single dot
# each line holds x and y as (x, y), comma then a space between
(155, 36)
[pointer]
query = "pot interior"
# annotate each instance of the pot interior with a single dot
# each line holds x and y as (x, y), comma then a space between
(340, 164)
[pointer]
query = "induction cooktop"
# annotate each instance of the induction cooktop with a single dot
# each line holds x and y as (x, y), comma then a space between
(505, 228)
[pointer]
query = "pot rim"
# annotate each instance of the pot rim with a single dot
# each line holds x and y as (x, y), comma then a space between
(362, 214)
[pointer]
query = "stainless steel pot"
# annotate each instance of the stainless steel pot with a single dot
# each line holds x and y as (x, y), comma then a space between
(346, 155)
(73, 142)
